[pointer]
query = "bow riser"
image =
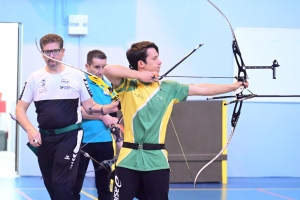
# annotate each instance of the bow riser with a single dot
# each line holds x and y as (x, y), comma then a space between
(236, 113)
(242, 74)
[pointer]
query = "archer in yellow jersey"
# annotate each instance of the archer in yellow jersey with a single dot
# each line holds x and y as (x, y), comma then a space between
(142, 168)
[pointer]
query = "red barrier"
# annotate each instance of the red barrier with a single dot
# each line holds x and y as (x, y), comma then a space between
(2, 106)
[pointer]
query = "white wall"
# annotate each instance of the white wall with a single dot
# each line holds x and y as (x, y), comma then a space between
(8, 77)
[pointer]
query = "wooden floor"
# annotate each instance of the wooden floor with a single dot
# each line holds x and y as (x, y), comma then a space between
(13, 187)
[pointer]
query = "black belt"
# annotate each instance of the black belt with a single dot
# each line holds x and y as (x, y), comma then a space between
(145, 146)
(60, 130)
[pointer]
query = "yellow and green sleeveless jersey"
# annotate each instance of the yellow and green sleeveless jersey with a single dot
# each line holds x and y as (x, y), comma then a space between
(146, 108)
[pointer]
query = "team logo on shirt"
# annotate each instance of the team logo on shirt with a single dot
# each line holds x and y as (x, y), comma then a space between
(66, 81)
(64, 87)
(160, 98)
(43, 87)
(140, 96)
(65, 84)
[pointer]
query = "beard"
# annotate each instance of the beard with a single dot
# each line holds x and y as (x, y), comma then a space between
(51, 63)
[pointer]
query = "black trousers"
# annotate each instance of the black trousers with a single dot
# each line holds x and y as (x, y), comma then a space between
(99, 151)
(144, 185)
(58, 160)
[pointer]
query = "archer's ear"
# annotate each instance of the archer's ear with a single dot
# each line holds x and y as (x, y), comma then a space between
(141, 64)
(86, 66)
(63, 51)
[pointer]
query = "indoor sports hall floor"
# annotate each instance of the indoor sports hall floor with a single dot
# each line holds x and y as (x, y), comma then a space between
(27, 188)
(13, 187)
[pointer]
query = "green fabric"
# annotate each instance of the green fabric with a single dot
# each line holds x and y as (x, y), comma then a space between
(62, 130)
(32, 148)
(147, 109)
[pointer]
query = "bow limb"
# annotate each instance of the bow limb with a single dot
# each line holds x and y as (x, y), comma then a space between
(15, 119)
(220, 153)
(106, 164)
(242, 76)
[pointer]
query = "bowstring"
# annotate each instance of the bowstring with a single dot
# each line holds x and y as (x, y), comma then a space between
(95, 136)
(177, 136)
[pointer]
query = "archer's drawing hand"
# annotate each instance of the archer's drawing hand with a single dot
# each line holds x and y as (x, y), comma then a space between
(148, 77)
(109, 120)
(34, 137)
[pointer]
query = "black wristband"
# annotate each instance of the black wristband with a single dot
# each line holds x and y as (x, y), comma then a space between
(90, 109)
(101, 110)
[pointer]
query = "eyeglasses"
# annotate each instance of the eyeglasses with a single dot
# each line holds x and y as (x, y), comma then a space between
(55, 52)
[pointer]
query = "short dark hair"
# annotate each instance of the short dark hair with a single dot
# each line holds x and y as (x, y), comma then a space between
(94, 54)
(137, 52)
(51, 38)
